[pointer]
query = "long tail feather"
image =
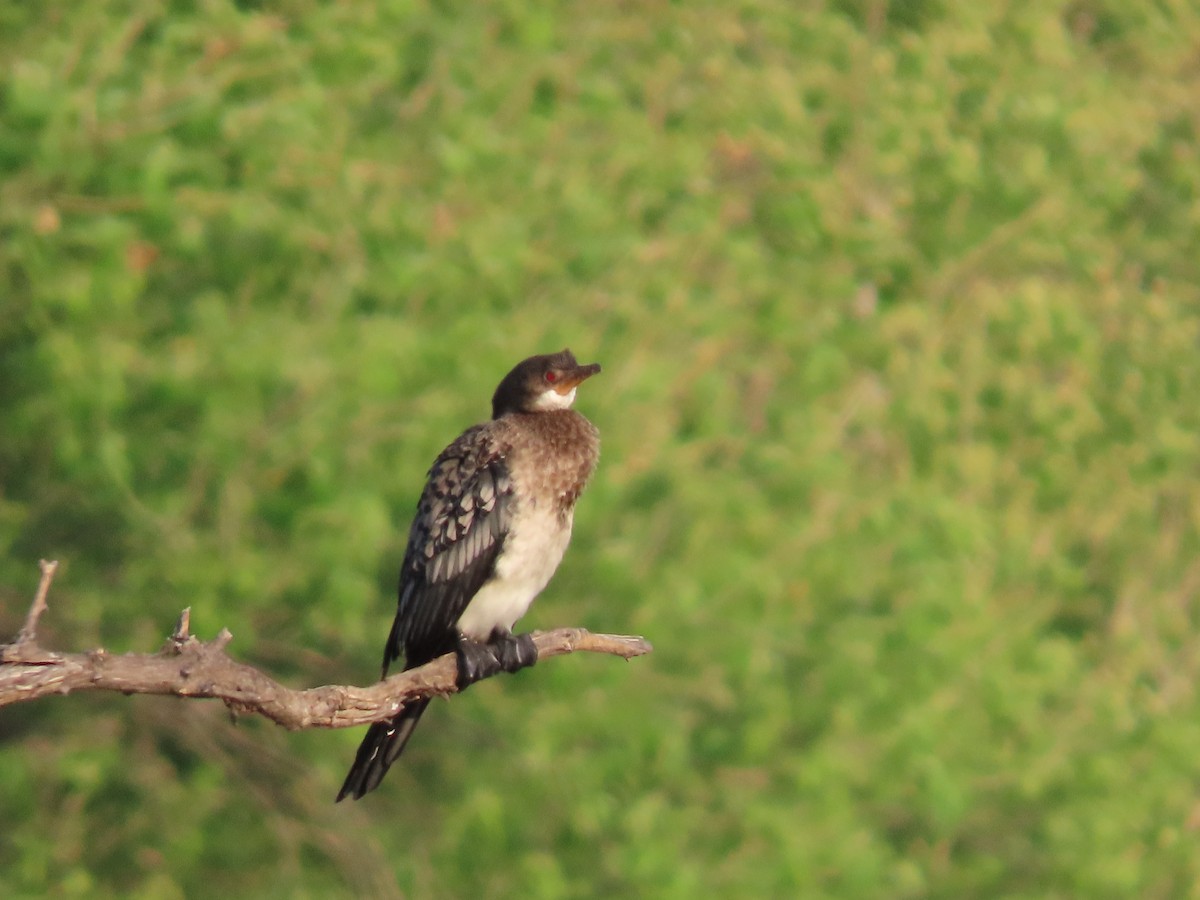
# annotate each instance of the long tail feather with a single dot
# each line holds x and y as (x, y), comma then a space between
(379, 749)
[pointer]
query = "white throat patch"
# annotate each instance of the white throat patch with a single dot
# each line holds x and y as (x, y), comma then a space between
(552, 399)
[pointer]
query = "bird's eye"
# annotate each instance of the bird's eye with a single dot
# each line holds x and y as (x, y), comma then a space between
(551, 376)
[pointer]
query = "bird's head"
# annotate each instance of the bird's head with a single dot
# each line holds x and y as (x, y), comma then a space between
(540, 384)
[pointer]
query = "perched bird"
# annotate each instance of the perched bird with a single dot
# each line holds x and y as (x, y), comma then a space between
(491, 527)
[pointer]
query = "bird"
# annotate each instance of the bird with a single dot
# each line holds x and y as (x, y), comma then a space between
(491, 527)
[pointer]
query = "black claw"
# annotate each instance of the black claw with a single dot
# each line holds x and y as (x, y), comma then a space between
(514, 651)
(475, 662)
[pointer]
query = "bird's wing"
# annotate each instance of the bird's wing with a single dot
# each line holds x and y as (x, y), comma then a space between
(461, 522)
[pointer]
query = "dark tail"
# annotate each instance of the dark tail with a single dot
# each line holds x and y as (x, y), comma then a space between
(380, 748)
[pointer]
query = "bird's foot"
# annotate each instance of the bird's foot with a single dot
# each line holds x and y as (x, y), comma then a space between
(514, 651)
(476, 662)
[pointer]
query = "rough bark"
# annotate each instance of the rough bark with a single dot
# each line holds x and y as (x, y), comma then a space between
(188, 667)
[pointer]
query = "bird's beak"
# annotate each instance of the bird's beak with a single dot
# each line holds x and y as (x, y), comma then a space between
(571, 379)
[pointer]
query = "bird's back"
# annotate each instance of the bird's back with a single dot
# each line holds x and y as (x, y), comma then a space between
(461, 522)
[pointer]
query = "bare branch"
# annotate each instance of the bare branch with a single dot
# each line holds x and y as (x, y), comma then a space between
(187, 667)
(203, 669)
(181, 632)
(29, 630)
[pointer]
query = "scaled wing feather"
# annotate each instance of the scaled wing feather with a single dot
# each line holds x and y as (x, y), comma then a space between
(462, 519)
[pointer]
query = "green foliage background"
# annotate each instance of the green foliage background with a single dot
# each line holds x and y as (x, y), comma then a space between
(898, 305)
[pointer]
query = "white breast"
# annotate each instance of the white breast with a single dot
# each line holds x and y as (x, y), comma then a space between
(532, 551)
